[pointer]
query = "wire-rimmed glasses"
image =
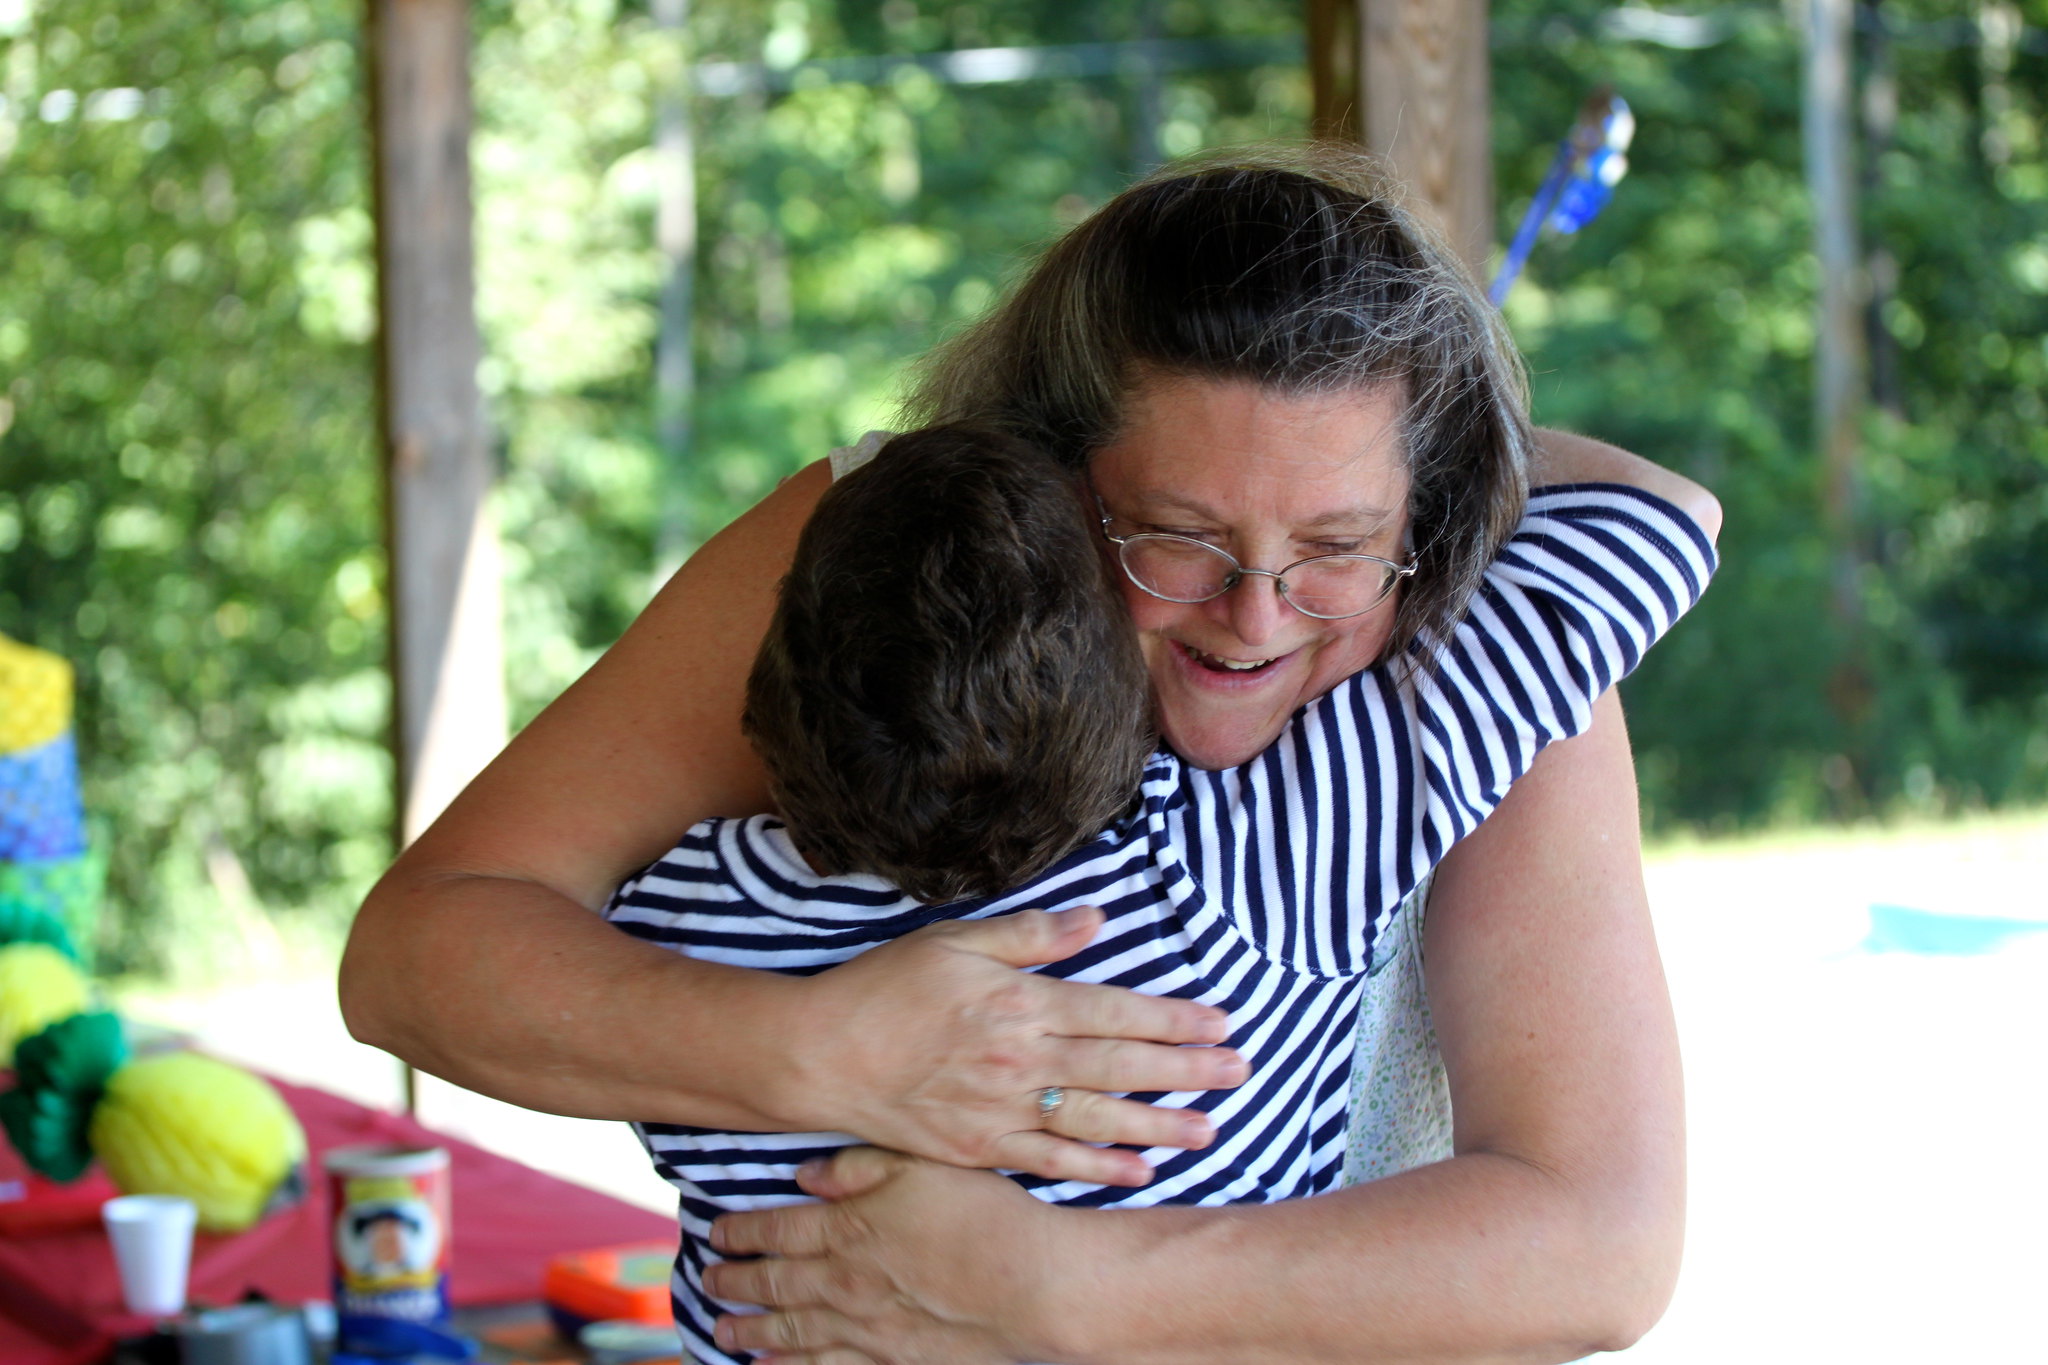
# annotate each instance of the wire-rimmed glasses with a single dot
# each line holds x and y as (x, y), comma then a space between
(1183, 569)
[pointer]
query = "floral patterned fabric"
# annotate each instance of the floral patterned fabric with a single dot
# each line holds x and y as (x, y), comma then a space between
(1400, 1099)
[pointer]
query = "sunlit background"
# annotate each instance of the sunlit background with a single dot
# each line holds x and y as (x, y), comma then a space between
(190, 496)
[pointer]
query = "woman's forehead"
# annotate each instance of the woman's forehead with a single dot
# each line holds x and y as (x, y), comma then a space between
(1230, 449)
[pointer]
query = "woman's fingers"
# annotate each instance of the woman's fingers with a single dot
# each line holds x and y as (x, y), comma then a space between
(832, 1355)
(1055, 1158)
(797, 1230)
(1032, 938)
(1029, 938)
(1119, 1064)
(1079, 1010)
(835, 1355)
(1086, 1116)
(807, 1333)
(848, 1172)
(937, 1045)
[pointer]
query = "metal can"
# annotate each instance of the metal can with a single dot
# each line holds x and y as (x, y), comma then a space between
(391, 1232)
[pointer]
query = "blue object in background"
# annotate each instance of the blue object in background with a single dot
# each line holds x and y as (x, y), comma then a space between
(1580, 181)
(1587, 192)
(40, 813)
(1897, 929)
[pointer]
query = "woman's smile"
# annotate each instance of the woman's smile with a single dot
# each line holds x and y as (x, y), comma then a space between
(1229, 668)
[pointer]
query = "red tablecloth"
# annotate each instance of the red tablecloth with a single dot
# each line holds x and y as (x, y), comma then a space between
(60, 1296)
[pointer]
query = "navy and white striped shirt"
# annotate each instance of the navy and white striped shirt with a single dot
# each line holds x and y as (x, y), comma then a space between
(1260, 889)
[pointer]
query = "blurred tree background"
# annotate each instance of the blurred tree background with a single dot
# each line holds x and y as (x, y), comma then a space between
(188, 487)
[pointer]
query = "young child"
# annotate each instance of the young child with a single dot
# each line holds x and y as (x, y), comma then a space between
(949, 705)
(950, 694)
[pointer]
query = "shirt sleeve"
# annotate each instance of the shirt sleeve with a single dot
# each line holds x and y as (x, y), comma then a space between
(1314, 843)
(846, 459)
(1594, 576)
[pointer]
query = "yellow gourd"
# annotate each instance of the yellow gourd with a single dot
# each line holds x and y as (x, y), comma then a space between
(186, 1124)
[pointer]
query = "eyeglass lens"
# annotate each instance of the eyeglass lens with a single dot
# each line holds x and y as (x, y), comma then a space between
(1189, 571)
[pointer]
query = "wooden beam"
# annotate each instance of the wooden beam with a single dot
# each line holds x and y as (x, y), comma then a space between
(1839, 359)
(1333, 69)
(1420, 94)
(447, 653)
(675, 233)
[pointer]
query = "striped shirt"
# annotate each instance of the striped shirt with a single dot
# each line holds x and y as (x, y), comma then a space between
(1260, 889)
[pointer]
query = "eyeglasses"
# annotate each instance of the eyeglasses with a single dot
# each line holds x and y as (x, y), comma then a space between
(1183, 569)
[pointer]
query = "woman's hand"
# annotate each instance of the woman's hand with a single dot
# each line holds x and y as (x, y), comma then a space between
(937, 1045)
(914, 1263)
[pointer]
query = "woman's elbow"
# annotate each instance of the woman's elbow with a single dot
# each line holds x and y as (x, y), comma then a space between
(370, 1006)
(1636, 1240)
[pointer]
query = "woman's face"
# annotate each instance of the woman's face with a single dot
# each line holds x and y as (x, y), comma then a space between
(1272, 478)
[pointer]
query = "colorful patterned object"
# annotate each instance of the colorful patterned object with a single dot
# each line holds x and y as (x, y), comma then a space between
(40, 812)
(45, 856)
(65, 889)
(35, 696)
(22, 921)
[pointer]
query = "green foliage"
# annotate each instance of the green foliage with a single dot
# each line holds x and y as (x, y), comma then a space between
(841, 229)
(188, 503)
(188, 486)
(1681, 324)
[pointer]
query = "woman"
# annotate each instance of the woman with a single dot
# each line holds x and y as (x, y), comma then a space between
(1181, 345)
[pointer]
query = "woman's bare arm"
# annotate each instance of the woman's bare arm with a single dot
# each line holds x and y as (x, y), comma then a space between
(1567, 457)
(477, 956)
(1552, 1232)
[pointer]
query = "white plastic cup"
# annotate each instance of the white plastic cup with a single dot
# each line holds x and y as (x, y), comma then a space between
(152, 1237)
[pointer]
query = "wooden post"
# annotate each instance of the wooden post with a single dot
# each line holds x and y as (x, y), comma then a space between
(1420, 95)
(1880, 105)
(1333, 69)
(1839, 386)
(675, 233)
(1148, 92)
(447, 654)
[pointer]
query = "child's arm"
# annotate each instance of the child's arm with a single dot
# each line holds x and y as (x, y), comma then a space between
(1566, 457)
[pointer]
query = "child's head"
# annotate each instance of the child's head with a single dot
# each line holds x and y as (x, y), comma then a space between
(950, 694)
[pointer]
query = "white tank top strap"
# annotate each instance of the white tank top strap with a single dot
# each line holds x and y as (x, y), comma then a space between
(846, 459)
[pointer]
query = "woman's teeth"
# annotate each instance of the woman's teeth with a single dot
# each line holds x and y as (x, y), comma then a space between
(1222, 665)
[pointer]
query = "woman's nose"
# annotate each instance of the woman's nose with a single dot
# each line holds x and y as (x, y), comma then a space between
(1255, 610)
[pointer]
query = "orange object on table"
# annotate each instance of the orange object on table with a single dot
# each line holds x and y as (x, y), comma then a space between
(629, 1282)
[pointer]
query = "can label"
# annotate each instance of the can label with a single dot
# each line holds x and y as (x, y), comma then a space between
(390, 1232)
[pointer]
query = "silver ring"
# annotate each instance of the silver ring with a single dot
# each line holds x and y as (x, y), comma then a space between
(1049, 1101)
